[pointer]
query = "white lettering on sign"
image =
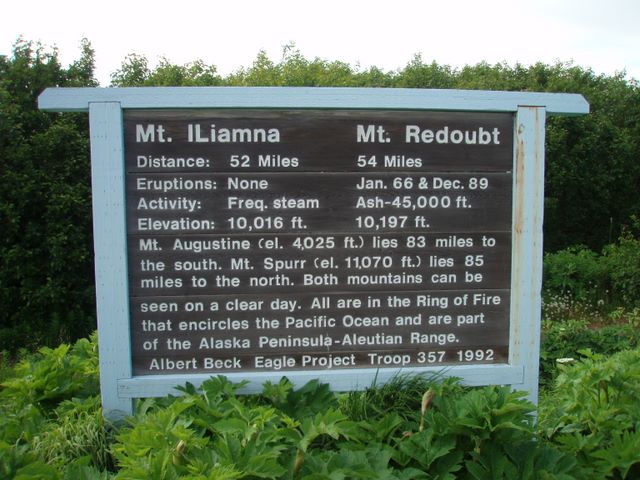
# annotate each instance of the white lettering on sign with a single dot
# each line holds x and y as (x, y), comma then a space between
(151, 133)
(372, 134)
(196, 133)
(415, 134)
(271, 241)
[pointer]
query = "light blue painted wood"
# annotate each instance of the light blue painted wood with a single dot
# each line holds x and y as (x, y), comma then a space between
(78, 99)
(109, 233)
(526, 271)
(339, 380)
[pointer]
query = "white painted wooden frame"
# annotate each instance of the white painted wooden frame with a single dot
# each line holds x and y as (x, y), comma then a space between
(105, 106)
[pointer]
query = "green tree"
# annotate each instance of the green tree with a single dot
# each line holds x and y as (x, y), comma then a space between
(46, 293)
(135, 72)
(593, 173)
(418, 74)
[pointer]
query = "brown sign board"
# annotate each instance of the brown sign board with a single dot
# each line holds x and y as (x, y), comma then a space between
(278, 240)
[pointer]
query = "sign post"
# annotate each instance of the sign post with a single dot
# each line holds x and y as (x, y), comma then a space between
(339, 234)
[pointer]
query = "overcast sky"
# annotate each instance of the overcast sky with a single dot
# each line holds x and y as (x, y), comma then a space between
(602, 35)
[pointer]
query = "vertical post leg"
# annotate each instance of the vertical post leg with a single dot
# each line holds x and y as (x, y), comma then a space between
(110, 249)
(527, 251)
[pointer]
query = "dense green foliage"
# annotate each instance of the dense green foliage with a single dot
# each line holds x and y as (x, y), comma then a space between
(611, 279)
(46, 293)
(46, 279)
(51, 427)
(591, 303)
(458, 433)
(569, 339)
(595, 414)
(50, 416)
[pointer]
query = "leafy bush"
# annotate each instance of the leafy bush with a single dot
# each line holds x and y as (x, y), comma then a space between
(576, 273)
(41, 382)
(51, 424)
(579, 276)
(560, 308)
(485, 433)
(54, 375)
(6, 367)
(455, 432)
(622, 261)
(595, 416)
(567, 339)
(19, 463)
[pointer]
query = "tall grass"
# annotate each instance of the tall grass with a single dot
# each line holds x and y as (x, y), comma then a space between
(403, 395)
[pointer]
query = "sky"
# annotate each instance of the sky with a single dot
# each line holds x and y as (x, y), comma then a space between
(597, 34)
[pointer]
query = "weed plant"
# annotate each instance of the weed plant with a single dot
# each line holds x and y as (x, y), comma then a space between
(576, 273)
(402, 395)
(593, 413)
(77, 430)
(566, 340)
(51, 424)
(561, 307)
(601, 282)
(624, 316)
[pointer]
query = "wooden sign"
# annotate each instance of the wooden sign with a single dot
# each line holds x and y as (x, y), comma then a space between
(272, 240)
(342, 234)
